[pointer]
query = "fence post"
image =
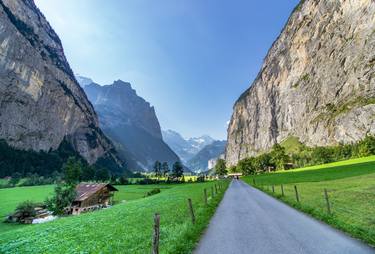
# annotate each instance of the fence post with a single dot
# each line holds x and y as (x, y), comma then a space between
(254, 181)
(296, 190)
(327, 201)
(191, 211)
(282, 190)
(205, 196)
(212, 191)
(273, 188)
(156, 236)
(215, 189)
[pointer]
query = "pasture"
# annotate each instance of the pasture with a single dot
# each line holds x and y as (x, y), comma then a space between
(11, 197)
(350, 187)
(124, 228)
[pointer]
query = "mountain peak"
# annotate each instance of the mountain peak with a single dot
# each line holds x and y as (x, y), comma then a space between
(186, 148)
(83, 81)
(122, 83)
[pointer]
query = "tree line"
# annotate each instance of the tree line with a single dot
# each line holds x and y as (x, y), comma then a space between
(162, 169)
(279, 159)
(47, 167)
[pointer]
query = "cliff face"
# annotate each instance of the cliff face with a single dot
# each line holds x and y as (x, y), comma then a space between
(41, 103)
(200, 162)
(317, 82)
(120, 97)
(130, 122)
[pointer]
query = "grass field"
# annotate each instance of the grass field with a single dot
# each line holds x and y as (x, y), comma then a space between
(11, 197)
(124, 228)
(351, 191)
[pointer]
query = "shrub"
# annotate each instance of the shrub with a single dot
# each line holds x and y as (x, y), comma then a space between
(123, 180)
(152, 192)
(24, 210)
(366, 147)
(63, 197)
(201, 179)
(16, 177)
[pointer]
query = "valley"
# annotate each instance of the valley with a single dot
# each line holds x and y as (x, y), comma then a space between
(163, 145)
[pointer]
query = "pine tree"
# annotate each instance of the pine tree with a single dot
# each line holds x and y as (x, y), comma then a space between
(157, 169)
(72, 170)
(165, 169)
(178, 169)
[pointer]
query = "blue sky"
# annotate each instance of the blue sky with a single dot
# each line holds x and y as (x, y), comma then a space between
(191, 59)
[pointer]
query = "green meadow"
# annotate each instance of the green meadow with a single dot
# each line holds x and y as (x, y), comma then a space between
(11, 197)
(124, 228)
(350, 186)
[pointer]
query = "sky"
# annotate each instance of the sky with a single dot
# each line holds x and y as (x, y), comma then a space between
(191, 59)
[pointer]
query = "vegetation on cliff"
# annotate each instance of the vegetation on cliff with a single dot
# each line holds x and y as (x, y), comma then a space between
(293, 154)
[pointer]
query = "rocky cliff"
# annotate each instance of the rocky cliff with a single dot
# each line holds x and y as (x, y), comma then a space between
(317, 82)
(41, 103)
(200, 162)
(130, 122)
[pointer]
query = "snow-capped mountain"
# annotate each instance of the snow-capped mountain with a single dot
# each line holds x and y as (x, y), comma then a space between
(185, 148)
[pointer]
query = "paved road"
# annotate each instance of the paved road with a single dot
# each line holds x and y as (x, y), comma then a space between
(250, 222)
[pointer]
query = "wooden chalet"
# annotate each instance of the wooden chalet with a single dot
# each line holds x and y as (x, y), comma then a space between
(91, 196)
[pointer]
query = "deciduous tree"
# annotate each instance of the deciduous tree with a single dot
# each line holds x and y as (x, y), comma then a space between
(221, 168)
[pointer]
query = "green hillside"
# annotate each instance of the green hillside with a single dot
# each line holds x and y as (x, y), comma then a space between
(11, 197)
(351, 191)
(124, 228)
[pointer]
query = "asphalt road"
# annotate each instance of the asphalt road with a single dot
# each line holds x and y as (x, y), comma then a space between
(250, 222)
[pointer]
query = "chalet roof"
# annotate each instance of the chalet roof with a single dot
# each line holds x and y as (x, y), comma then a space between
(85, 190)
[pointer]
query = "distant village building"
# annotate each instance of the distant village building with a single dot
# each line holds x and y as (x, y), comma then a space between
(234, 175)
(91, 196)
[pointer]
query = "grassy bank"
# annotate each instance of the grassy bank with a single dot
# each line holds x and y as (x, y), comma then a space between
(351, 193)
(124, 228)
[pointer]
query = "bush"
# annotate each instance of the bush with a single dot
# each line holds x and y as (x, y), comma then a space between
(148, 181)
(63, 197)
(152, 192)
(35, 179)
(366, 147)
(123, 181)
(201, 179)
(23, 212)
(16, 177)
(26, 209)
